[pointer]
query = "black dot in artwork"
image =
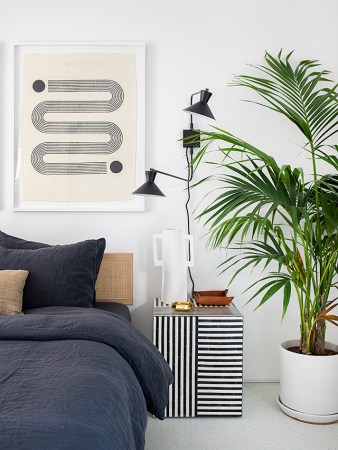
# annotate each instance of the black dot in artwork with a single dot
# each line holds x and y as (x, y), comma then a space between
(116, 167)
(39, 85)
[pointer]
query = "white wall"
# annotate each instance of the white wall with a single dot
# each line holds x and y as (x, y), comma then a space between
(190, 45)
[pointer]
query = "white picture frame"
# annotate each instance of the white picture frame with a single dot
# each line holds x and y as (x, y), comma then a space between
(85, 50)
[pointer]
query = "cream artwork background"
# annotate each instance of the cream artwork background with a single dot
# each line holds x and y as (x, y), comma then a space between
(78, 143)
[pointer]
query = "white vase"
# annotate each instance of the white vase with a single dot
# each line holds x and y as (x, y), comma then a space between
(174, 263)
(308, 385)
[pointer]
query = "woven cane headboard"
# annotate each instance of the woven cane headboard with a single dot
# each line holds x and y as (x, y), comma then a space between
(115, 279)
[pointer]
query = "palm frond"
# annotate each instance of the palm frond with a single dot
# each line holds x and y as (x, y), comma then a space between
(297, 93)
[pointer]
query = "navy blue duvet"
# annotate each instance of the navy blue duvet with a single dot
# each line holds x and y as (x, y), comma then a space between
(77, 379)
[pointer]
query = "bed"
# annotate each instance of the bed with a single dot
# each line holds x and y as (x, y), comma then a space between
(74, 372)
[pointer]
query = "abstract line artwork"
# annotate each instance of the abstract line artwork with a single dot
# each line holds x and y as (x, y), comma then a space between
(95, 148)
(78, 128)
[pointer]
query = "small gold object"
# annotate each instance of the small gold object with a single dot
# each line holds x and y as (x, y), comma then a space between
(182, 306)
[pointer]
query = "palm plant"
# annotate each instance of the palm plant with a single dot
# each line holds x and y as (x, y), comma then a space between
(275, 215)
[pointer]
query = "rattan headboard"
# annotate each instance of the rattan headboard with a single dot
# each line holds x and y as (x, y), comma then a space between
(115, 279)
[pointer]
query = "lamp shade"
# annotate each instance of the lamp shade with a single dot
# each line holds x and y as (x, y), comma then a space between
(201, 108)
(149, 187)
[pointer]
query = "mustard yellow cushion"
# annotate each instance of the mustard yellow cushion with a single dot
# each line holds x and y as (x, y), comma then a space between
(12, 283)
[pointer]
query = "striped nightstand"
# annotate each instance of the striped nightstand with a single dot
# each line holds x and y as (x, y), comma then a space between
(204, 348)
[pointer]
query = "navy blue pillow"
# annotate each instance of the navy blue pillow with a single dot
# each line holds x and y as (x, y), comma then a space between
(63, 275)
(14, 242)
(8, 241)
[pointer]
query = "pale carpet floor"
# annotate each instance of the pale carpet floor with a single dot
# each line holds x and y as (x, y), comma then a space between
(263, 426)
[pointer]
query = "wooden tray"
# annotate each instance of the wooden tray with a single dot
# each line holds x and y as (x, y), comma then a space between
(212, 298)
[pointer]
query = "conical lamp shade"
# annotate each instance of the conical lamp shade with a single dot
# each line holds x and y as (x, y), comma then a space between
(201, 108)
(149, 187)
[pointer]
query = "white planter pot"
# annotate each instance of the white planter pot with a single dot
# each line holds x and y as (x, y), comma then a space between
(308, 385)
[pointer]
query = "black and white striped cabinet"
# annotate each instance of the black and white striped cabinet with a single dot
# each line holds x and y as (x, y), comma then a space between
(204, 348)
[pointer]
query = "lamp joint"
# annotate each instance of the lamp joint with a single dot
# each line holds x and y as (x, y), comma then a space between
(191, 138)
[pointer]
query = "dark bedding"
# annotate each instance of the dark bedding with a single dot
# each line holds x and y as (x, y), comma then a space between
(117, 308)
(77, 379)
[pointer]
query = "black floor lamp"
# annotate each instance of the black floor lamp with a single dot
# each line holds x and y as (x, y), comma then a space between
(190, 141)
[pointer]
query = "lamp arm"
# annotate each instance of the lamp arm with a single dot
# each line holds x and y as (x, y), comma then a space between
(191, 97)
(168, 174)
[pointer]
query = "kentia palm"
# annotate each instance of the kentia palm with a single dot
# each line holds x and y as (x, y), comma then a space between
(279, 215)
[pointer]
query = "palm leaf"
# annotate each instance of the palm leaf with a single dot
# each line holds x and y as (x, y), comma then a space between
(298, 94)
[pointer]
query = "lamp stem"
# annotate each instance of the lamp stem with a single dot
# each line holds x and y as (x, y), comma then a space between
(190, 176)
(191, 97)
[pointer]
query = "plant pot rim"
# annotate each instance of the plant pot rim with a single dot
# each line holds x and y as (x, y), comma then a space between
(293, 342)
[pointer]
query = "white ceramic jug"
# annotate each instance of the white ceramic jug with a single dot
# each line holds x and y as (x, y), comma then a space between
(174, 263)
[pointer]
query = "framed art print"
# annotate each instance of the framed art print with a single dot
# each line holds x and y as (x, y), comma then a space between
(79, 126)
